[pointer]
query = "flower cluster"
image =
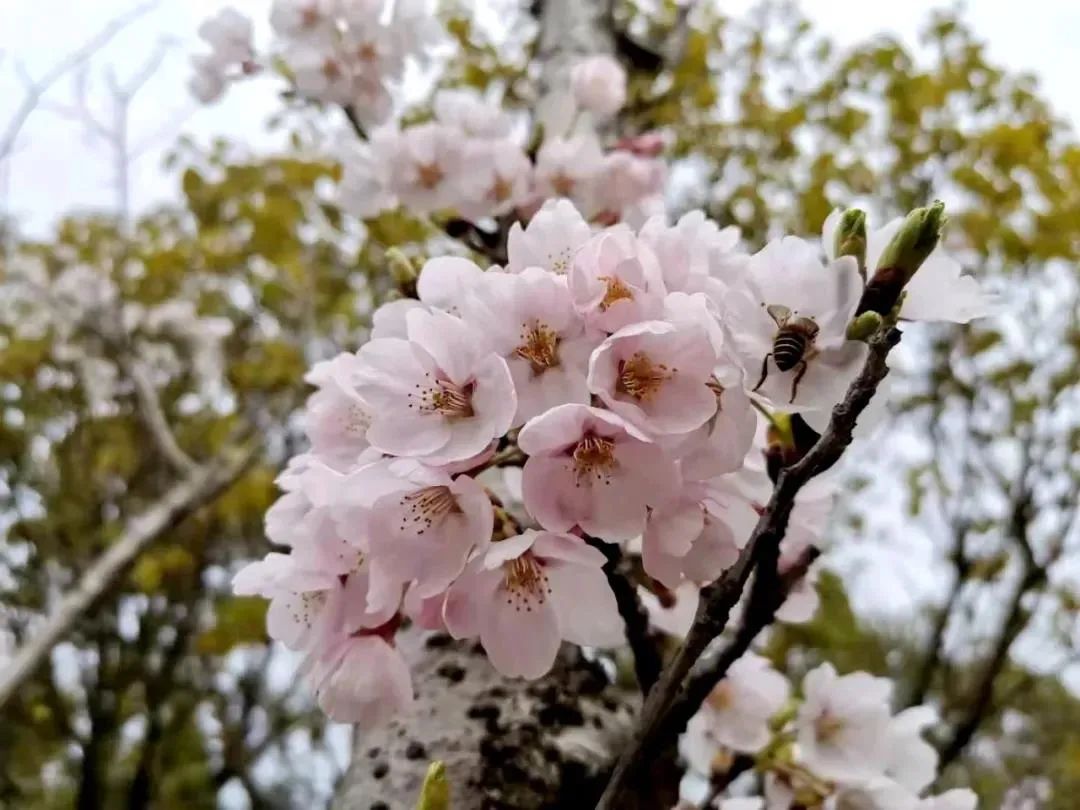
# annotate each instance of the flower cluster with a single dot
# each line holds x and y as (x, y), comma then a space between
(617, 369)
(345, 52)
(471, 157)
(838, 746)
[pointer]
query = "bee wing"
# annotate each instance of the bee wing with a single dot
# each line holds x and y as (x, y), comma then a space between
(779, 313)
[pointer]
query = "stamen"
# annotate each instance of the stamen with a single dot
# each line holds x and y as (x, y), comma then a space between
(616, 291)
(714, 385)
(430, 175)
(444, 397)
(594, 455)
(640, 378)
(827, 726)
(331, 70)
(540, 346)
(525, 582)
(310, 605)
(500, 190)
(427, 508)
(562, 184)
(721, 698)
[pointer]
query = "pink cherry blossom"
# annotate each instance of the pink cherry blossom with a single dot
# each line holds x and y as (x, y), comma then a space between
(529, 319)
(551, 239)
(528, 593)
(310, 19)
(616, 280)
(786, 286)
(590, 469)
(441, 395)
(228, 33)
(336, 418)
(655, 375)
(362, 679)
(497, 178)
(842, 727)
(422, 162)
(696, 254)
(737, 712)
(696, 536)
(472, 115)
(599, 85)
(424, 528)
(446, 283)
(626, 180)
(568, 167)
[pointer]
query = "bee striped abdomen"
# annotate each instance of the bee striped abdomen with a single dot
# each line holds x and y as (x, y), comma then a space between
(789, 346)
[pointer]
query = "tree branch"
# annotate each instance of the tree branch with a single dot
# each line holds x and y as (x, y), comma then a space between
(35, 89)
(1034, 576)
(643, 643)
(199, 489)
(654, 731)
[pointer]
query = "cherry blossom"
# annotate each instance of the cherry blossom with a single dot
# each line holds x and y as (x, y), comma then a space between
(550, 241)
(228, 33)
(737, 712)
(421, 527)
(498, 178)
(529, 320)
(423, 164)
(303, 18)
(590, 469)
(467, 112)
(336, 417)
(362, 679)
(655, 375)
(696, 254)
(599, 85)
(616, 280)
(843, 725)
(528, 593)
(567, 167)
(440, 395)
(789, 299)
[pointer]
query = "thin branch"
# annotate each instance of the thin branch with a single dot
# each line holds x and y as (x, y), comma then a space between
(1016, 620)
(153, 415)
(654, 731)
(199, 489)
(643, 643)
(36, 88)
(770, 590)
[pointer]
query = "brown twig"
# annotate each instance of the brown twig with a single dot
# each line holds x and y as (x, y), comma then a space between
(654, 731)
(644, 644)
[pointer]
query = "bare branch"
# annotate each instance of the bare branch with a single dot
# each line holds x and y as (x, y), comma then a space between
(36, 88)
(654, 729)
(643, 643)
(153, 415)
(199, 489)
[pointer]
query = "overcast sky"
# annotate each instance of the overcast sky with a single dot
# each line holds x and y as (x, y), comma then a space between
(58, 167)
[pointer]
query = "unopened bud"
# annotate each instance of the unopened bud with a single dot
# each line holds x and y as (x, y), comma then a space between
(851, 238)
(435, 792)
(903, 256)
(864, 326)
(402, 271)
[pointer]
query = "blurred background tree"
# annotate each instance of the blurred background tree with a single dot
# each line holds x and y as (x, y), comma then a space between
(136, 351)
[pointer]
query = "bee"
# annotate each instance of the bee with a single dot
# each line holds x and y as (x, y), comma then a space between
(793, 346)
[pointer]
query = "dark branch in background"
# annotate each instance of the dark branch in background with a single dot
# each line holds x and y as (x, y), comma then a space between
(925, 675)
(654, 731)
(1034, 576)
(644, 644)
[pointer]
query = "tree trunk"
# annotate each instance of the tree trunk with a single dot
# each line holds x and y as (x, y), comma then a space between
(506, 743)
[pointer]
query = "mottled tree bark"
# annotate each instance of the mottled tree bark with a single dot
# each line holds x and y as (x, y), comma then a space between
(506, 743)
